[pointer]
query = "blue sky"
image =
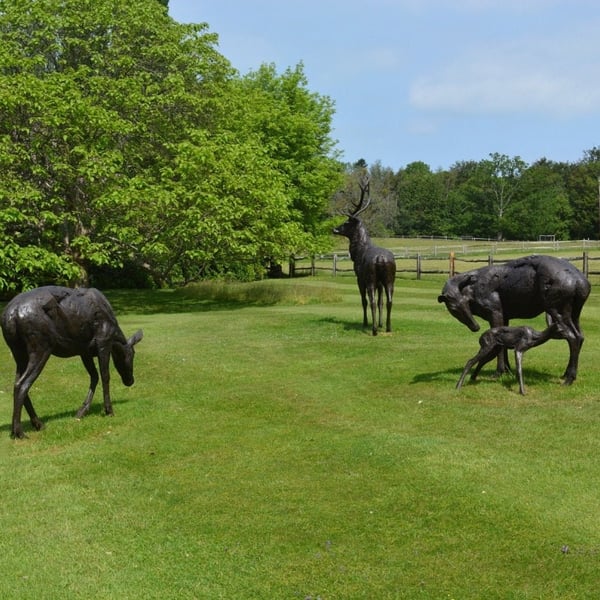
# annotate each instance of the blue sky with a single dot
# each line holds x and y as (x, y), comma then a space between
(430, 80)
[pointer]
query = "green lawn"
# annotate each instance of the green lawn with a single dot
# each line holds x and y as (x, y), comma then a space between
(272, 449)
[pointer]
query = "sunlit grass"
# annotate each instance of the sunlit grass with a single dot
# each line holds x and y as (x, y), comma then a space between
(271, 448)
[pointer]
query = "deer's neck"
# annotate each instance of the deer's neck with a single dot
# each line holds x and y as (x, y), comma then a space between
(540, 337)
(359, 242)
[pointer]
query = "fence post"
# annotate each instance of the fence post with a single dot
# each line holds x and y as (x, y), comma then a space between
(452, 268)
(490, 259)
(312, 266)
(586, 265)
(292, 267)
(418, 266)
(334, 265)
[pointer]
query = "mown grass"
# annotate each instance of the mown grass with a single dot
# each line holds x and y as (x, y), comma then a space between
(270, 448)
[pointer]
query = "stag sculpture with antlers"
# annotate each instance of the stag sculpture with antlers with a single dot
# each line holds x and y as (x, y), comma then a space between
(375, 267)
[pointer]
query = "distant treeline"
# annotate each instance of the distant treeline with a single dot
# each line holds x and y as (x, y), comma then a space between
(499, 197)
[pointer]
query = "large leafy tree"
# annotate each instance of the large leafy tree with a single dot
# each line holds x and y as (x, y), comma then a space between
(93, 95)
(420, 198)
(501, 181)
(380, 218)
(126, 137)
(582, 185)
(293, 125)
(542, 207)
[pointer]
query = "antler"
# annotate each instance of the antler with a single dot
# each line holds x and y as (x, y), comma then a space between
(363, 204)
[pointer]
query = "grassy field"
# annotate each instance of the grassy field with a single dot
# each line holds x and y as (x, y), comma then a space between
(270, 448)
(434, 254)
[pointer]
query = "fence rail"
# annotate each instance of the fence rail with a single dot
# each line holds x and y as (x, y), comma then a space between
(451, 264)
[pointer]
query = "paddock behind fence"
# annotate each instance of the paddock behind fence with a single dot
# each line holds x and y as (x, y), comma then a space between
(420, 265)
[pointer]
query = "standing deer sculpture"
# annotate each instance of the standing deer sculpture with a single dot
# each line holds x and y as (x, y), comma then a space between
(375, 267)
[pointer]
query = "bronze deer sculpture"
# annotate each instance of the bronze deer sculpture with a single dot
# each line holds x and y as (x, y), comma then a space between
(522, 288)
(497, 339)
(64, 322)
(375, 267)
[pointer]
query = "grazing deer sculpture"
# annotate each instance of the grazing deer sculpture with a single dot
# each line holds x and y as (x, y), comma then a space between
(375, 267)
(64, 322)
(497, 339)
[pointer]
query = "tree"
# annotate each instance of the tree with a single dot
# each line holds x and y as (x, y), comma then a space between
(380, 218)
(294, 124)
(582, 188)
(502, 180)
(462, 195)
(127, 138)
(420, 196)
(384, 208)
(542, 207)
(93, 95)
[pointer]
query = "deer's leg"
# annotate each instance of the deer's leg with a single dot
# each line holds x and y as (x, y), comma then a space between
(27, 372)
(363, 296)
(487, 355)
(88, 363)
(503, 364)
(467, 368)
(519, 363)
(371, 293)
(389, 293)
(575, 342)
(484, 356)
(380, 304)
(36, 422)
(104, 364)
(571, 332)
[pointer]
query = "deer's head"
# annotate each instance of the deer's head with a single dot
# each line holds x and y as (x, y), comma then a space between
(353, 222)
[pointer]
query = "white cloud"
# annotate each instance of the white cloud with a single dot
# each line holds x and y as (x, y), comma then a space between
(555, 76)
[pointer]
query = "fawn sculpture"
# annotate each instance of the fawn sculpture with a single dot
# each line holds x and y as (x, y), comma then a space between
(497, 339)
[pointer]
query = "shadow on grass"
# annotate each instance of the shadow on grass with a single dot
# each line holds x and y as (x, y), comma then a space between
(485, 377)
(347, 325)
(436, 376)
(217, 295)
(150, 302)
(96, 410)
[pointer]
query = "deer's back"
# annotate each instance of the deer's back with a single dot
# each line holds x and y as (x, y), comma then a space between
(61, 319)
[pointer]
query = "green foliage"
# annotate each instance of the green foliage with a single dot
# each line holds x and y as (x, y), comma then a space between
(281, 452)
(129, 144)
(294, 126)
(499, 197)
(419, 192)
(542, 206)
(127, 138)
(582, 185)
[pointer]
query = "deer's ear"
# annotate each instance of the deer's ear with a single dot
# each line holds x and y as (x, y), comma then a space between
(469, 279)
(135, 338)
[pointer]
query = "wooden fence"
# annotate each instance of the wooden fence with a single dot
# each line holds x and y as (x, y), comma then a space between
(338, 264)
